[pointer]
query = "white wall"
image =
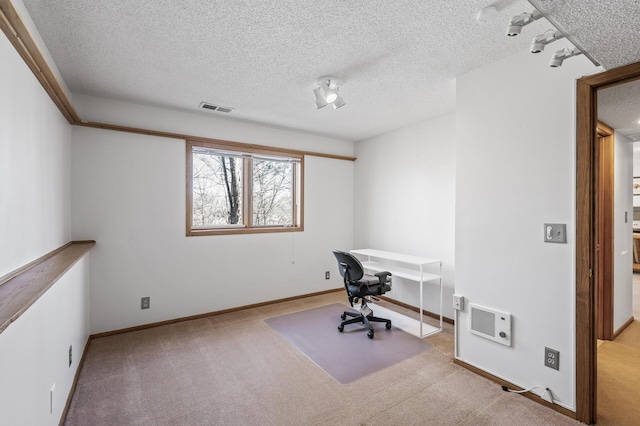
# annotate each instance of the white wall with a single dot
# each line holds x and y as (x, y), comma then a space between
(636, 158)
(405, 200)
(35, 194)
(516, 171)
(205, 124)
(636, 168)
(623, 231)
(34, 351)
(128, 194)
(34, 166)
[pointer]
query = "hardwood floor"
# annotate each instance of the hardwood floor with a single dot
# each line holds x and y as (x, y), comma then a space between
(618, 377)
(636, 295)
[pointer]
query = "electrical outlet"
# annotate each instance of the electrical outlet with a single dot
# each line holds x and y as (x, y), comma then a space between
(145, 303)
(70, 354)
(552, 358)
(327, 275)
(458, 302)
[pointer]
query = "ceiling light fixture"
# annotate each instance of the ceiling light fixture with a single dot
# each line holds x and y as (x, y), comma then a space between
(327, 93)
(561, 55)
(486, 15)
(541, 40)
(517, 22)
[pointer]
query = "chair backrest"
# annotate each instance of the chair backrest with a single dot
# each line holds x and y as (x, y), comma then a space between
(350, 264)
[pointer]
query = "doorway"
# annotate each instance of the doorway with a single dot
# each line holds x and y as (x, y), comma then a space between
(604, 231)
(586, 231)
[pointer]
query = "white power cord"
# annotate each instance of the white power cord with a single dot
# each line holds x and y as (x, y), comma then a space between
(546, 395)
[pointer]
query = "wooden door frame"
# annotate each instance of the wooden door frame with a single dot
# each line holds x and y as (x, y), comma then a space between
(604, 232)
(586, 260)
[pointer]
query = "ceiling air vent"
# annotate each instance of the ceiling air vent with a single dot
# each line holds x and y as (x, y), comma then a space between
(217, 108)
(634, 137)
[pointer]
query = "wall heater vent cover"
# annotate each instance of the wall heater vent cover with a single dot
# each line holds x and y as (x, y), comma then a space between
(490, 324)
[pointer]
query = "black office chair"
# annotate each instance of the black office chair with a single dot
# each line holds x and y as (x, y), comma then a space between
(361, 286)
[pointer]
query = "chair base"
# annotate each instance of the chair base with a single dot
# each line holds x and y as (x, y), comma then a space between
(357, 318)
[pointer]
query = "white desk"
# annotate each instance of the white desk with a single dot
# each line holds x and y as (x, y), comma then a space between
(411, 268)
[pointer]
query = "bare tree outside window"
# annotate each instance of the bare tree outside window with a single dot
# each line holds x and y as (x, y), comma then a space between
(217, 190)
(231, 179)
(272, 192)
(233, 191)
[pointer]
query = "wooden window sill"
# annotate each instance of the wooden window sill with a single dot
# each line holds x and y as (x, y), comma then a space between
(21, 288)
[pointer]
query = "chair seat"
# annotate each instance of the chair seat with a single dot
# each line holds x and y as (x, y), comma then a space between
(371, 286)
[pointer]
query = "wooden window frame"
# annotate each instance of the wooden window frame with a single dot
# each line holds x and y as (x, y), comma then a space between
(247, 197)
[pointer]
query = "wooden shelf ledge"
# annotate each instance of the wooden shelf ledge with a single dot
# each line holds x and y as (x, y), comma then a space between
(21, 288)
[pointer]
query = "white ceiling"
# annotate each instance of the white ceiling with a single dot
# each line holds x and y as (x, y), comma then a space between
(619, 107)
(608, 29)
(398, 59)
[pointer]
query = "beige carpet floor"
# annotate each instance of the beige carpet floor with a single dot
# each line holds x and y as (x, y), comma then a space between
(233, 369)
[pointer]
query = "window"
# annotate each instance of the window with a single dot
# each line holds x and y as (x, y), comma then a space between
(232, 188)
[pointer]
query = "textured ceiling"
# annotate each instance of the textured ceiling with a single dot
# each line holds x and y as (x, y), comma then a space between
(610, 32)
(608, 29)
(619, 107)
(398, 59)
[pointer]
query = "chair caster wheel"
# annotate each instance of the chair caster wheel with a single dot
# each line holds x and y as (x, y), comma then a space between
(341, 328)
(388, 325)
(370, 334)
(343, 316)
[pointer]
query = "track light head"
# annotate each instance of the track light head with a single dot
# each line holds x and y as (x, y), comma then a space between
(330, 95)
(555, 62)
(541, 40)
(514, 30)
(558, 58)
(339, 102)
(327, 93)
(517, 22)
(320, 101)
(537, 47)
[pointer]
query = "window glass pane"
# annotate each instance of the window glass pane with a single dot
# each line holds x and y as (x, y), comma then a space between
(272, 193)
(217, 190)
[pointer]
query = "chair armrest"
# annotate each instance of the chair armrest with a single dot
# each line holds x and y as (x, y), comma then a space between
(383, 276)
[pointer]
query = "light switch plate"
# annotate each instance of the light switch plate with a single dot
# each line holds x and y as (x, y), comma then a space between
(555, 233)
